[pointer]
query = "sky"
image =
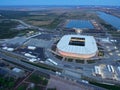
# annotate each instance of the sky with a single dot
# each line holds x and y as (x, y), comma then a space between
(59, 2)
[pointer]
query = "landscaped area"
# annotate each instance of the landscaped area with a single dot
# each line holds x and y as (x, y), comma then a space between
(35, 81)
(7, 83)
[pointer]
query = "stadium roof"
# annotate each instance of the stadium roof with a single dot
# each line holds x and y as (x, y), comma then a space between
(77, 44)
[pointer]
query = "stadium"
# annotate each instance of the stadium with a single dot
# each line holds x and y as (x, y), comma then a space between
(77, 46)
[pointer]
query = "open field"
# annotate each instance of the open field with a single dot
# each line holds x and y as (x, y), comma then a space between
(35, 81)
(6, 29)
(50, 18)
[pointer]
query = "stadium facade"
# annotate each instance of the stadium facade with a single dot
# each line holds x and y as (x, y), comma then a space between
(77, 46)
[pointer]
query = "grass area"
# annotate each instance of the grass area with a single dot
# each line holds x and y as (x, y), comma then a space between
(6, 29)
(22, 87)
(49, 18)
(94, 82)
(114, 33)
(59, 57)
(79, 61)
(69, 60)
(38, 79)
(8, 14)
(109, 87)
(108, 27)
(55, 22)
(90, 61)
(111, 30)
(44, 66)
(83, 14)
(38, 88)
(7, 83)
(51, 89)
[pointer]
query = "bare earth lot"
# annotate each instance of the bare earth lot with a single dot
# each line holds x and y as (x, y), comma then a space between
(61, 84)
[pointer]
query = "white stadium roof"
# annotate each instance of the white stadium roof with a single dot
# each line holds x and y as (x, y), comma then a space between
(89, 47)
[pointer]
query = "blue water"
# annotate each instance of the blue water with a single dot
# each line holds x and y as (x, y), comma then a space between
(114, 21)
(79, 24)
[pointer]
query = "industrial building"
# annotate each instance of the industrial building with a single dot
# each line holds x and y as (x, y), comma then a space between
(77, 46)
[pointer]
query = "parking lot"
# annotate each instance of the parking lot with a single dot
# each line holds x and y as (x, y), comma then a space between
(38, 52)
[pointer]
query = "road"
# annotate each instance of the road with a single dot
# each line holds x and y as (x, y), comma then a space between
(46, 71)
(25, 64)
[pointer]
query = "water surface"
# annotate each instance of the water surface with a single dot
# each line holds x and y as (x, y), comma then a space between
(113, 20)
(79, 24)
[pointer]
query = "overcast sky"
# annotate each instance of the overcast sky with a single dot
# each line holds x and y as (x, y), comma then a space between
(60, 2)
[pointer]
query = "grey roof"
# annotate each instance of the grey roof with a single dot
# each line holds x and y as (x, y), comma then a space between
(89, 48)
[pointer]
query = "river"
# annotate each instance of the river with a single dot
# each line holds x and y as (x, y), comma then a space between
(113, 20)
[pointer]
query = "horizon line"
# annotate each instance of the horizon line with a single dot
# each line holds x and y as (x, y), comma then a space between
(61, 5)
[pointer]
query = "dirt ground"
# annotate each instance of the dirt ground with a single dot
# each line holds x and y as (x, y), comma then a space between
(61, 84)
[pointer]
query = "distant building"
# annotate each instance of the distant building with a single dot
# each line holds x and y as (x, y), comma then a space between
(15, 72)
(18, 72)
(31, 47)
